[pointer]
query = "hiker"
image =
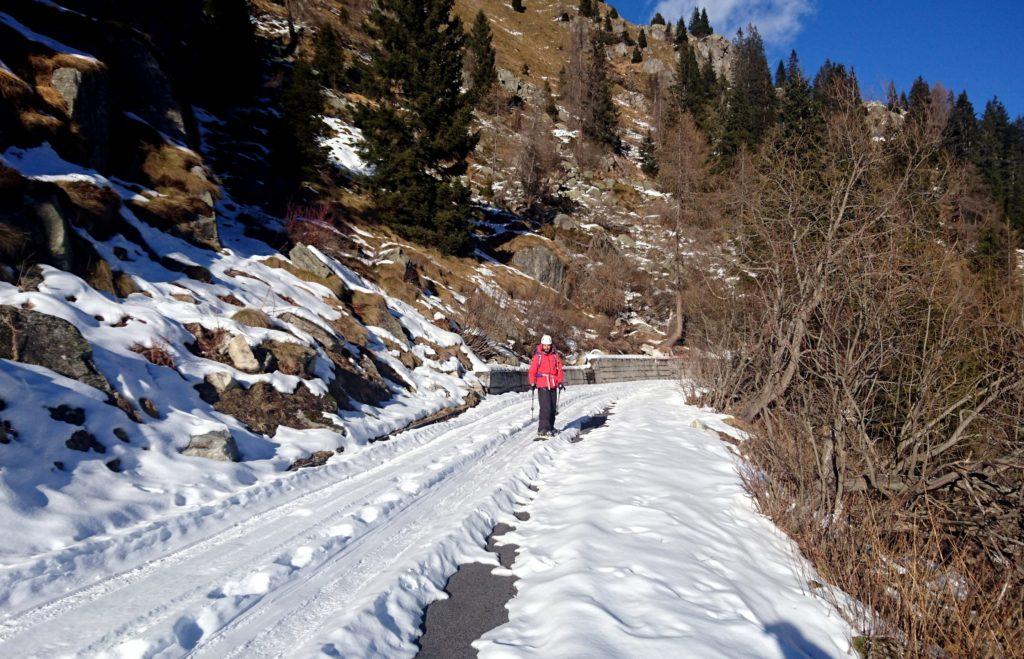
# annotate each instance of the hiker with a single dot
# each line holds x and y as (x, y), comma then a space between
(546, 379)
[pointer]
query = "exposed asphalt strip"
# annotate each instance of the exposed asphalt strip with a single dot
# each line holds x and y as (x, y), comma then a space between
(476, 596)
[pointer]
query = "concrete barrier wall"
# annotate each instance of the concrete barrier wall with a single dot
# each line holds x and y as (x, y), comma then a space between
(598, 370)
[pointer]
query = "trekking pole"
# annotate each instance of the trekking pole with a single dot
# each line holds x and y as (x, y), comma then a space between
(533, 391)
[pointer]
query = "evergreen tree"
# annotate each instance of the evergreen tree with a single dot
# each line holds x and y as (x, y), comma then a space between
(587, 8)
(903, 102)
(625, 38)
(780, 75)
(613, 12)
(607, 23)
(961, 135)
(296, 140)
(705, 24)
(668, 33)
(920, 101)
(641, 39)
(892, 100)
(834, 84)
(327, 60)
(602, 125)
(751, 102)
(681, 34)
(658, 19)
(798, 114)
(994, 155)
(648, 156)
(482, 73)
(549, 100)
(517, 6)
(695, 28)
(637, 56)
(689, 85)
(416, 128)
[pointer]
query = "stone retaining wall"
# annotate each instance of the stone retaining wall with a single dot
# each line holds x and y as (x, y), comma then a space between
(598, 370)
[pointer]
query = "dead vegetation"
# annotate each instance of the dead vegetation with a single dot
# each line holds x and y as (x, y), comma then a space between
(874, 351)
(154, 354)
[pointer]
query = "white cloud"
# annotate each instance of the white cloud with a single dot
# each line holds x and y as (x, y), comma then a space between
(778, 21)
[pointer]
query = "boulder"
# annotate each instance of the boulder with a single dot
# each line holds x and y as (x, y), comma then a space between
(564, 222)
(221, 381)
(241, 355)
(87, 95)
(36, 338)
(304, 259)
(144, 89)
(50, 214)
(84, 441)
(361, 383)
(214, 445)
(541, 263)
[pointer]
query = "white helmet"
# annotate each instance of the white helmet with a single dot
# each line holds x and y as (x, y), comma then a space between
(545, 340)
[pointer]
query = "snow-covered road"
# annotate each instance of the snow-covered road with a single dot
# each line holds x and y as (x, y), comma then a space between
(342, 559)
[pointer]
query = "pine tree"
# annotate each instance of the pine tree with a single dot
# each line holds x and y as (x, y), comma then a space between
(780, 75)
(834, 85)
(297, 153)
(637, 56)
(920, 101)
(416, 132)
(587, 8)
(695, 27)
(613, 12)
(903, 102)
(689, 87)
(548, 97)
(607, 23)
(648, 156)
(752, 100)
(517, 6)
(995, 145)
(641, 39)
(892, 100)
(327, 60)
(658, 19)
(602, 125)
(481, 72)
(681, 34)
(668, 33)
(961, 135)
(625, 38)
(798, 114)
(705, 24)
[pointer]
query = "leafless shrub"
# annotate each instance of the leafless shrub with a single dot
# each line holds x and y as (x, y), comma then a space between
(878, 364)
(154, 354)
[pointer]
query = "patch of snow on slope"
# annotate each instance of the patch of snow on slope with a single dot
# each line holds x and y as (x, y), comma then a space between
(341, 146)
(642, 542)
(43, 40)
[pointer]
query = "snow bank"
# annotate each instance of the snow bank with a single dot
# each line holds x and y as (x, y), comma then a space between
(342, 146)
(643, 543)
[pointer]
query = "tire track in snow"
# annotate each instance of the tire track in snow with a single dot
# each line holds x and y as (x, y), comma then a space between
(180, 585)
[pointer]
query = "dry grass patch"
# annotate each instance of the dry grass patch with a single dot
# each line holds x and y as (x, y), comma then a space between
(252, 318)
(155, 354)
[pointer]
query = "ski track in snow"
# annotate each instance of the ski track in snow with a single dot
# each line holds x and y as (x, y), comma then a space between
(643, 543)
(339, 559)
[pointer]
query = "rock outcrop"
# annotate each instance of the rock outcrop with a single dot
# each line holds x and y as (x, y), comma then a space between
(36, 338)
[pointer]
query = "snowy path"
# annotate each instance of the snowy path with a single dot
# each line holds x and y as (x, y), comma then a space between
(346, 555)
(643, 543)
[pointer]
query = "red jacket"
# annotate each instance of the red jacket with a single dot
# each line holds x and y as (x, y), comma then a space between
(546, 369)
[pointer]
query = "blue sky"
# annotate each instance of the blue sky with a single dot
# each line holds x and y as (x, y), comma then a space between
(977, 46)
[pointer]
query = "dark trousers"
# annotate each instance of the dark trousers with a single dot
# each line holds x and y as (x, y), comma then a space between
(548, 402)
